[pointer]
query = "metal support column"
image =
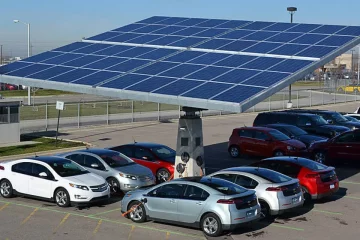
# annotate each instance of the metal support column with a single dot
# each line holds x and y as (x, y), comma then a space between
(107, 112)
(78, 115)
(132, 110)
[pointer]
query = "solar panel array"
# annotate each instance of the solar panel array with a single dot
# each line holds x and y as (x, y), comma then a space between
(207, 59)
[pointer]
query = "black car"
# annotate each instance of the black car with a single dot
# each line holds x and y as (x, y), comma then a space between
(296, 133)
(311, 123)
(331, 117)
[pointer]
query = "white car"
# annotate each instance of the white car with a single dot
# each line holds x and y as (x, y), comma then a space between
(52, 178)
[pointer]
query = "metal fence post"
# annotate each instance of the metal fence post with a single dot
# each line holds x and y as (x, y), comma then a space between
(335, 96)
(132, 110)
(158, 112)
(323, 93)
(269, 103)
(345, 95)
(284, 100)
(180, 111)
(356, 96)
(310, 98)
(107, 112)
(46, 116)
(297, 98)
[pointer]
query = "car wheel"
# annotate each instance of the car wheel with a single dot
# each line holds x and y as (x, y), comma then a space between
(234, 151)
(6, 189)
(211, 225)
(114, 185)
(307, 196)
(278, 153)
(320, 157)
(62, 197)
(162, 175)
(138, 214)
(265, 209)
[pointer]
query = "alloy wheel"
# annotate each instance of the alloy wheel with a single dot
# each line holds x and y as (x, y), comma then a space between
(136, 214)
(114, 186)
(5, 189)
(163, 175)
(234, 152)
(61, 198)
(210, 225)
(319, 157)
(278, 154)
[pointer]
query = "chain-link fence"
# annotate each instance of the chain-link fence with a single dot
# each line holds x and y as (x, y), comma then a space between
(43, 117)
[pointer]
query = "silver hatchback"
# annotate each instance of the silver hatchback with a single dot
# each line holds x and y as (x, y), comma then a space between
(212, 204)
(277, 192)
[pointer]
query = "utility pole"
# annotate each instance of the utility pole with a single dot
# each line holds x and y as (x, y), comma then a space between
(352, 66)
(358, 66)
(291, 10)
(1, 55)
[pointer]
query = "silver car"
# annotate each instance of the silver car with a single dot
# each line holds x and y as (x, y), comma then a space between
(212, 204)
(276, 192)
(122, 173)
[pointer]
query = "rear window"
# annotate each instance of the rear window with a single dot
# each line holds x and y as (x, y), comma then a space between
(312, 165)
(223, 186)
(272, 176)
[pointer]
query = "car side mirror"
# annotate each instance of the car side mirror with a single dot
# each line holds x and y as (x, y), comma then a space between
(144, 200)
(329, 121)
(43, 174)
(308, 124)
(94, 165)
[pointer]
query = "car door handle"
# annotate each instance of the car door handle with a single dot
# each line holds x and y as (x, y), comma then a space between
(348, 146)
(199, 203)
(172, 201)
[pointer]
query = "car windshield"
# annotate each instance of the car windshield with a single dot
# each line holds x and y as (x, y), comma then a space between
(338, 117)
(318, 120)
(312, 165)
(296, 131)
(352, 119)
(277, 135)
(116, 159)
(67, 168)
(223, 186)
(164, 153)
(271, 176)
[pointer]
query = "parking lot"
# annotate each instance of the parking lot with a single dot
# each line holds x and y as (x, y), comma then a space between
(332, 218)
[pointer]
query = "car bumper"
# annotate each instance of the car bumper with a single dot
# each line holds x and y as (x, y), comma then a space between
(91, 201)
(324, 194)
(231, 227)
(85, 197)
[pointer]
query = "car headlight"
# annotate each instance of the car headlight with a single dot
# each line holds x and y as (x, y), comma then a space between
(127, 176)
(79, 186)
(353, 128)
(291, 148)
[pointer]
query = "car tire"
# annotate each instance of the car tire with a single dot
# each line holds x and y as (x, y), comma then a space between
(162, 175)
(265, 209)
(320, 157)
(211, 225)
(278, 153)
(114, 185)
(234, 151)
(62, 197)
(6, 189)
(307, 196)
(139, 214)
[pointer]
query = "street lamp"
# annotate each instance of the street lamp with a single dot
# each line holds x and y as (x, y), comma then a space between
(291, 10)
(28, 42)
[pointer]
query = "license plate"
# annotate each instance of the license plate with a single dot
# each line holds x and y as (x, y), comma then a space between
(295, 199)
(332, 186)
(250, 213)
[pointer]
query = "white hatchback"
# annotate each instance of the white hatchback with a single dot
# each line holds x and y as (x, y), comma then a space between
(52, 178)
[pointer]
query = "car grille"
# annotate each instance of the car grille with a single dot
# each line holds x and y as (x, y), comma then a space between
(291, 189)
(328, 176)
(99, 188)
(245, 202)
(145, 178)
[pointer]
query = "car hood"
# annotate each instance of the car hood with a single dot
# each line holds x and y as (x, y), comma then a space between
(88, 179)
(310, 138)
(336, 128)
(134, 169)
(352, 124)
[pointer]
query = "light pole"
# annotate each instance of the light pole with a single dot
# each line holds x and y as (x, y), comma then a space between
(358, 65)
(29, 54)
(291, 10)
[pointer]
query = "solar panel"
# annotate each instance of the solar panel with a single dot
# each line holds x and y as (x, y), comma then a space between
(208, 63)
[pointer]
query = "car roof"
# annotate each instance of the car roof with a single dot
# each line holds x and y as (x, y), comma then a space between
(311, 110)
(297, 160)
(289, 112)
(47, 159)
(255, 128)
(144, 144)
(96, 151)
(280, 125)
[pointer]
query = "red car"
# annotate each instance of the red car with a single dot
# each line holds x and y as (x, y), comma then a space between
(345, 146)
(265, 142)
(316, 180)
(160, 159)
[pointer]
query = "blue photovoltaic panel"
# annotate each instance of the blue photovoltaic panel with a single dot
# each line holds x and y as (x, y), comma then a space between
(171, 21)
(262, 63)
(238, 45)
(209, 58)
(187, 42)
(350, 30)
(290, 65)
(191, 22)
(184, 56)
(280, 27)
(181, 70)
(214, 44)
(257, 25)
(144, 39)
(163, 41)
(211, 32)
(148, 29)
(136, 51)
(92, 48)
(208, 73)
(72, 75)
(128, 65)
(114, 50)
(308, 39)
(235, 61)
(289, 49)
(156, 68)
(260, 36)
(262, 47)
(169, 30)
(79, 62)
(104, 36)
(212, 23)
(336, 41)
(23, 72)
(303, 28)
(316, 51)
(236, 76)
(50, 72)
(124, 37)
(151, 84)
(65, 57)
(42, 57)
(129, 28)
(233, 24)
(72, 46)
(154, 19)
(125, 81)
(284, 37)
(238, 94)
(328, 29)
(106, 63)
(189, 31)
(266, 79)
(178, 87)
(157, 54)
(237, 34)
(207, 90)
(96, 78)
(13, 67)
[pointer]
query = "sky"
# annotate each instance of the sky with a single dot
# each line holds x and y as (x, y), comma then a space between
(56, 23)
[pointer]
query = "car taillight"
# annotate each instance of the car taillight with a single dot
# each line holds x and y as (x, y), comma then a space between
(313, 175)
(2, 168)
(229, 201)
(276, 189)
